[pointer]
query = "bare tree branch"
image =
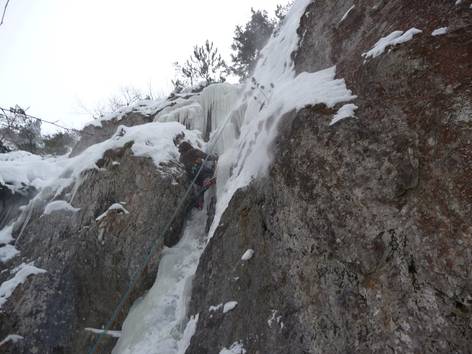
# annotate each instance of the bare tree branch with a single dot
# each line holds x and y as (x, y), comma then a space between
(4, 12)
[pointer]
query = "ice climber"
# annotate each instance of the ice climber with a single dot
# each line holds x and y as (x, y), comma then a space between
(194, 159)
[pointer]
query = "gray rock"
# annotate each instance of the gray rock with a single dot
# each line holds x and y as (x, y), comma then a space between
(362, 230)
(90, 262)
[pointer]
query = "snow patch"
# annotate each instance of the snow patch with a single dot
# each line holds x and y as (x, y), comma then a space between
(114, 334)
(215, 308)
(11, 338)
(345, 111)
(144, 107)
(114, 207)
(394, 38)
(22, 272)
(229, 306)
(6, 234)
(347, 13)
(247, 255)
(7, 252)
(59, 205)
(275, 318)
(236, 348)
(439, 31)
(20, 169)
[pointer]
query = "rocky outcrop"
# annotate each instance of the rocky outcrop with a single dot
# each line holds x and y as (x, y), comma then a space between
(362, 230)
(93, 133)
(90, 254)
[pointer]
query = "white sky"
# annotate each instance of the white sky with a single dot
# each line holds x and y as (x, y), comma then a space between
(55, 54)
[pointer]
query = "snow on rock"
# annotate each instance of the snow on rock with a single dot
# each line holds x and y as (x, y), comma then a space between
(247, 255)
(114, 334)
(5, 234)
(274, 90)
(229, 306)
(236, 348)
(345, 111)
(22, 272)
(392, 39)
(11, 338)
(145, 107)
(347, 13)
(439, 31)
(114, 207)
(19, 169)
(58, 205)
(215, 308)
(275, 318)
(7, 252)
(154, 140)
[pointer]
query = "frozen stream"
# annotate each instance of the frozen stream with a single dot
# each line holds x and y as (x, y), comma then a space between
(157, 323)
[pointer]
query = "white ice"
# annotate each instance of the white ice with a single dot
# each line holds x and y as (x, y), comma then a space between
(159, 322)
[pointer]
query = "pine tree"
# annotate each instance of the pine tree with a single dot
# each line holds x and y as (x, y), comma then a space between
(205, 64)
(248, 41)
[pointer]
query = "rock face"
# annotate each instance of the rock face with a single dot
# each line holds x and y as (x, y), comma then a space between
(362, 230)
(90, 255)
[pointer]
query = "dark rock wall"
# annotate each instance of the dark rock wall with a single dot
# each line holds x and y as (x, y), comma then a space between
(363, 230)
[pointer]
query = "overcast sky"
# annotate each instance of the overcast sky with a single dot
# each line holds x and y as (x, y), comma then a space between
(57, 54)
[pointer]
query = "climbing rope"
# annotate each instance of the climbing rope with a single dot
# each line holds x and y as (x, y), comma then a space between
(138, 273)
(4, 110)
